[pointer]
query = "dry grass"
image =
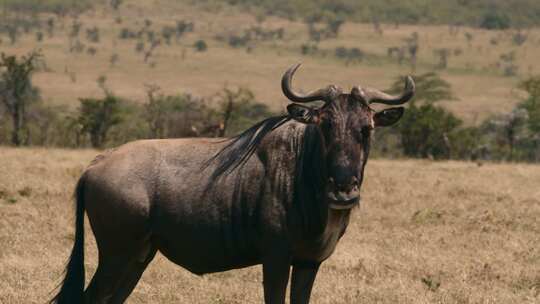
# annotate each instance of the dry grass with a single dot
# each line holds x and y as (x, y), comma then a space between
(481, 88)
(427, 232)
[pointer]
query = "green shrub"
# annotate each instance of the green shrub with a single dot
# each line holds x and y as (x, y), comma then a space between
(466, 143)
(183, 115)
(98, 116)
(309, 49)
(495, 14)
(495, 21)
(60, 7)
(532, 103)
(349, 55)
(506, 134)
(17, 93)
(237, 110)
(426, 130)
(200, 46)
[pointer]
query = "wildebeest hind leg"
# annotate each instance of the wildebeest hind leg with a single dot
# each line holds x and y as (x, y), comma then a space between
(117, 276)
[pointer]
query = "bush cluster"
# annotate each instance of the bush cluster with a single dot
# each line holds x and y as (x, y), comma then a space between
(425, 131)
(430, 131)
(490, 14)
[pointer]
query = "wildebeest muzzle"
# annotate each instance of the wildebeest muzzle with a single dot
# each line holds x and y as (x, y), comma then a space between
(343, 195)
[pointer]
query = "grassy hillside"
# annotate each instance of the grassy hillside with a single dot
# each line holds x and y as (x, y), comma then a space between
(475, 66)
(478, 13)
(517, 13)
(28, 6)
(426, 232)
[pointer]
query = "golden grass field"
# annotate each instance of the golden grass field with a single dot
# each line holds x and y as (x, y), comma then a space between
(426, 232)
(480, 87)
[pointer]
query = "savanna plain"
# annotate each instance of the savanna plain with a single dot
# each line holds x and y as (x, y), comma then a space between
(425, 232)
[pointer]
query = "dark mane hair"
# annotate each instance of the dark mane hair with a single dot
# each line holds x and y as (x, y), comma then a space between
(242, 146)
(309, 171)
(309, 178)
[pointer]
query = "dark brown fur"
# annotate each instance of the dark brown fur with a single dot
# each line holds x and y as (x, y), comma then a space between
(280, 194)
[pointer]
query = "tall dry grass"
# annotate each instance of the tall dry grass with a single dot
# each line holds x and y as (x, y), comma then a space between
(426, 232)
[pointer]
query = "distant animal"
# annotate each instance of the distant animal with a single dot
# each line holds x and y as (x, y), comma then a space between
(279, 194)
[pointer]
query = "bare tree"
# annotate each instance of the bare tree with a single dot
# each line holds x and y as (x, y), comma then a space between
(231, 103)
(412, 47)
(509, 129)
(155, 111)
(443, 55)
(115, 4)
(377, 26)
(50, 27)
(150, 51)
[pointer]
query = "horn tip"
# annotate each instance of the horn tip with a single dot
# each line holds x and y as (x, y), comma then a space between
(295, 66)
(287, 77)
(409, 84)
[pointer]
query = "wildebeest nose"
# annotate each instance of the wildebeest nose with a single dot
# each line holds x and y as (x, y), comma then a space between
(346, 186)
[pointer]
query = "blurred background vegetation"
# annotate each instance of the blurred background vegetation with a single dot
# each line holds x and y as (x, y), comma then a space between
(491, 14)
(321, 31)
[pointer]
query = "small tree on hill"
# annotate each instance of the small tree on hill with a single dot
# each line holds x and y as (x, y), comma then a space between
(238, 110)
(507, 132)
(200, 45)
(17, 91)
(495, 21)
(443, 54)
(183, 115)
(115, 4)
(156, 110)
(97, 116)
(425, 131)
(532, 106)
(532, 103)
(412, 46)
(430, 88)
(333, 24)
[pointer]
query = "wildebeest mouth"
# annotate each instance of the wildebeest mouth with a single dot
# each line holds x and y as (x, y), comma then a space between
(343, 204)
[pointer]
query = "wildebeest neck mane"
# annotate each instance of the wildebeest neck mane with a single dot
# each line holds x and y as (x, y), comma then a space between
(308, 169)
(242, 146)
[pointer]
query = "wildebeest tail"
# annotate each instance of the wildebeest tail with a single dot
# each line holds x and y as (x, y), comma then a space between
(72, 288)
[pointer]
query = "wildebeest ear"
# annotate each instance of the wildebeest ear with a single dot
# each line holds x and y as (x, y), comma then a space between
(303, 114)
(388, 117)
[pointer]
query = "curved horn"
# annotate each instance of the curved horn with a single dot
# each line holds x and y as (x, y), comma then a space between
(286, 86)
(376, 96)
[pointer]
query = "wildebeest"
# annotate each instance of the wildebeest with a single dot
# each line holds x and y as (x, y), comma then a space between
(279, 194)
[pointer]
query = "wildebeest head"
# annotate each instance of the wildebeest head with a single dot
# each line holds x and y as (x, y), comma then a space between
(346, 122)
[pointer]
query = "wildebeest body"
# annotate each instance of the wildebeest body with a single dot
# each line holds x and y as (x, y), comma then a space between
(203, 225)
(279, 194)
(188, 223)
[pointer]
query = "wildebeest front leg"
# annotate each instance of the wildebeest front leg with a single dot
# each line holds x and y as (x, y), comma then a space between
(303, 276)
(276, 269)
